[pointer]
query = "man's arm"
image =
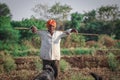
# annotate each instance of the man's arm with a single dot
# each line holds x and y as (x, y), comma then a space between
(71, 31)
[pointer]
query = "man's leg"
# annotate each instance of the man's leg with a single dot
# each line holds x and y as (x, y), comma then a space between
(46, 62)
(54, 64)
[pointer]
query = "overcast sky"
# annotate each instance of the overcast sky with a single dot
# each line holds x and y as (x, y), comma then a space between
(23, 8)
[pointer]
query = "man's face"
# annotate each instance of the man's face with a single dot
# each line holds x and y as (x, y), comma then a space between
(51, 28)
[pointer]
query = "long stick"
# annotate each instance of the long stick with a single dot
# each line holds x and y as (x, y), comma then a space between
(88, 34)
(23, 28)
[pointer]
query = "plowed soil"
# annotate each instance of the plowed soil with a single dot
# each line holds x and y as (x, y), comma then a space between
(79, 64)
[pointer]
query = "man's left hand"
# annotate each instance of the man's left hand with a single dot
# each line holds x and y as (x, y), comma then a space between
(74, 30)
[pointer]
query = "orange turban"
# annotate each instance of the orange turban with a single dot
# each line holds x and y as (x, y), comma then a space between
(51, 22)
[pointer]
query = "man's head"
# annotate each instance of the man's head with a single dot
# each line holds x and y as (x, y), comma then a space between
(51, 25)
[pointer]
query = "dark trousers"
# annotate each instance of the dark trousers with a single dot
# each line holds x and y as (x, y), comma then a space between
(54, 64)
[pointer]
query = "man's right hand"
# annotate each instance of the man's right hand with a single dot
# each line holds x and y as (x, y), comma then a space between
(34, 29)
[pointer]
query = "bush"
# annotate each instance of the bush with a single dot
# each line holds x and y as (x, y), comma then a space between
(113, 63)
(38, 64)
(9, 63)
(73, 40)
(7, 33)
(106, 40)
(64, 65)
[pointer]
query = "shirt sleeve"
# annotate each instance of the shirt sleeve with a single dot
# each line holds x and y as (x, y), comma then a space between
(39, 32)
(66, 33)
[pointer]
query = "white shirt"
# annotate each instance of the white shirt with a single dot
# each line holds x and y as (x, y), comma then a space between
(50, 44)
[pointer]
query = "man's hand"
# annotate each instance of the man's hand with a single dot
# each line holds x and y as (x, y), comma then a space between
(74, 30)
(34, 29)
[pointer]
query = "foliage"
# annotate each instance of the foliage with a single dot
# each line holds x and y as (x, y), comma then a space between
(108, 12)
(27, 23)
(15, 49)
(9, 63)
(64, 66)
(7, 33)
(79, 76)
(4, 10)
(106, 40)
(57, 11)
(38, 64)
(73, 40)
(60, 12)
(42, 11)
(76, 19)
(117, 29)
(77, 51)
(113, 63)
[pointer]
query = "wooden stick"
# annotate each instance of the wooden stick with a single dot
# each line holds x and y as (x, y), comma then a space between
(88, 34)
(22, 28)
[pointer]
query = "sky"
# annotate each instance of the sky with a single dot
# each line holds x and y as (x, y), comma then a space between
(21, 9)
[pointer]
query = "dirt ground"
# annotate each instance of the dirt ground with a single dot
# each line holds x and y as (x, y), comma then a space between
(95, 64)
(80, 64)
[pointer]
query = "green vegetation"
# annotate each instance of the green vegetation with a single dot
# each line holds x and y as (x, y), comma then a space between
(113, 63)
(78, 51)
(104, 21)
(64, 66)
(9, 63)
(38, 64)
(79, 76)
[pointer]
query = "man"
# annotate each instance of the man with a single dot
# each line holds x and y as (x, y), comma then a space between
(50, 44)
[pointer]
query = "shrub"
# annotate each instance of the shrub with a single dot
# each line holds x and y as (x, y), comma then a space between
(1, 61)
(73, 40)
(106, 41)
(64, 65)
(9, 63)
(113, 63)
(38, 64)
(7, 33)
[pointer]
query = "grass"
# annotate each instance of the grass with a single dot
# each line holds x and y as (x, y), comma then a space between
(78, 76)
(113, 63)
(64, 66)
(8, 63)
(78, 51)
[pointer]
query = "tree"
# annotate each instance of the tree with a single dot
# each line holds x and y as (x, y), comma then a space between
(117, 29)
(110, 13)
(4, 10)
(7, 33)
(76, 19)
(89, 16)
(42, 11)
(26, 34)
(60, 12)
(57, 11)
